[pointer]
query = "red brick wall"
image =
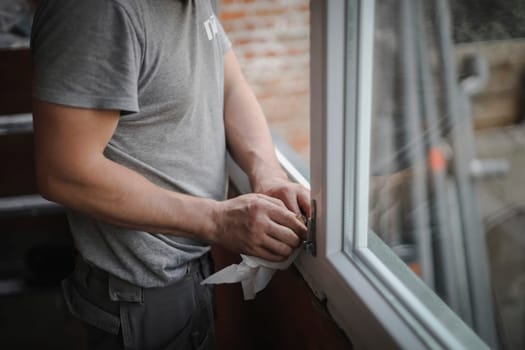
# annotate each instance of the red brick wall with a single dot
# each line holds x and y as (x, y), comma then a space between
(271, 41)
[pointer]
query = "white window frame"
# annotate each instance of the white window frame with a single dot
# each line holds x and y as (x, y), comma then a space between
(376, 307)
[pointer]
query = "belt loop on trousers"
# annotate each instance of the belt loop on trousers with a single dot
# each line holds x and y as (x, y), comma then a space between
(205, 265)
(81, 271)
(120, 290)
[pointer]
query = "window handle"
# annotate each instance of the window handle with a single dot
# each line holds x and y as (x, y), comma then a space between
(310, 243)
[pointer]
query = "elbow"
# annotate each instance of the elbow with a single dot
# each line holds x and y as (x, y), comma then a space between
(49, 184)
(65, 182)
(47, 187)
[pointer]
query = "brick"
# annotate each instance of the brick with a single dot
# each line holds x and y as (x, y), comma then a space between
(232, 15)
(295, 51)
(250, 26)
(271, 53)
(304, 7)
(271, 39)
(249, 54)
(242, 41)
(271, 11)
(228, 27)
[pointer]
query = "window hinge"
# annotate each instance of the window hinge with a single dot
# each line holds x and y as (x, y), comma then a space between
(310, 243)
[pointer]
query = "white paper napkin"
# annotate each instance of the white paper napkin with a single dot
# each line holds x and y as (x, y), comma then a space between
(254, 273)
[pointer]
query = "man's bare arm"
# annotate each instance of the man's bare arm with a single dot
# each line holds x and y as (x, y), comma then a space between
(250, 142)
(72, 170)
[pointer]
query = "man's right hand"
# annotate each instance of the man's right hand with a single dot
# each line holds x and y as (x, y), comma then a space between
(258, 225)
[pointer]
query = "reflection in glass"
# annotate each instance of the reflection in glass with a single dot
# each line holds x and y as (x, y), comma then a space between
(448, 154)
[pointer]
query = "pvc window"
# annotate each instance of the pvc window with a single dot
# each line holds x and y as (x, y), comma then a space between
(373, 295)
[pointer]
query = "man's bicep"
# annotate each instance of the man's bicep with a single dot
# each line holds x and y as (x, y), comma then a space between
(69, 140)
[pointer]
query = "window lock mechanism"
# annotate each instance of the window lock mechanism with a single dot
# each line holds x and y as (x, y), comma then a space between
(310, 244)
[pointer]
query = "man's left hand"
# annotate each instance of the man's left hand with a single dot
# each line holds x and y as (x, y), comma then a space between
(295, 196)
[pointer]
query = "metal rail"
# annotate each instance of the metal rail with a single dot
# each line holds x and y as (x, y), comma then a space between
(413, 135)
(27, 205)
(461, 133)
(16, 124)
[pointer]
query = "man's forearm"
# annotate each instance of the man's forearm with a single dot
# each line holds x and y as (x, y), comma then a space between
(251, 224)
(112, 193)
(251, 145)
(71, 169)
(247, 132)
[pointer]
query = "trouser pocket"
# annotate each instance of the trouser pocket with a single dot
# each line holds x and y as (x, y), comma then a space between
(198, 333)
(172, 317)
(178, 316)
(83, 309)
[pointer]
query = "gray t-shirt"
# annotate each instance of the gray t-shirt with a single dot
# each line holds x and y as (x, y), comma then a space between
(160, 62)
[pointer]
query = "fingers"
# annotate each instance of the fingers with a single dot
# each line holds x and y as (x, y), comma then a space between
(272, 200)
(260, 225)
(288, 196)
(268, 255)
(273, 249)
(287, 218)
(284, 234)
(282, 231)
(303, 198)
(277, 247)
(287, 221)
(295, 197)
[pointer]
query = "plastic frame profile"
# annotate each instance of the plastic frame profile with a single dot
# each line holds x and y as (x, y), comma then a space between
(376, 307)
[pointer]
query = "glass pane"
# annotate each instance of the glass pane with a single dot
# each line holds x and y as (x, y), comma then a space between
(489, 41)
(448, 154)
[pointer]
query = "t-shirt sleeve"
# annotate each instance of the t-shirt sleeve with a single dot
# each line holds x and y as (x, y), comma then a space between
(86, 54)
(224, 42)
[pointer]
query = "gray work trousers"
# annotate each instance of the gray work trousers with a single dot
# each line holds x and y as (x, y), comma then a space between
(120, 315)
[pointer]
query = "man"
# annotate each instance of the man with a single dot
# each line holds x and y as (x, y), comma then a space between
(135, 105)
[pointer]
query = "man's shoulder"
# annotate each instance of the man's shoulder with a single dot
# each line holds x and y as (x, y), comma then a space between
(134, 8)
(89, 7)
(82, 15)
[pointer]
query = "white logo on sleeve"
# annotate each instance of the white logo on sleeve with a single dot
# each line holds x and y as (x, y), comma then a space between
(211, 27)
